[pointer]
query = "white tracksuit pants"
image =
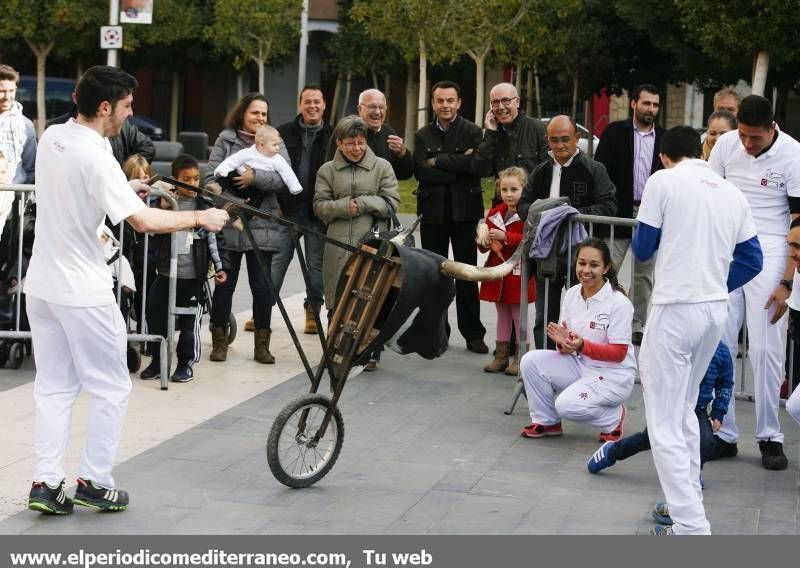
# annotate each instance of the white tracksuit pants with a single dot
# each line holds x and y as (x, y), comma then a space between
(78, 348)
(766, 351)
(679, 342)
(588, 395)
(793, 405)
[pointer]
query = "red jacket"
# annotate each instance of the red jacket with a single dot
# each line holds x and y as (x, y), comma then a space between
(507, 290)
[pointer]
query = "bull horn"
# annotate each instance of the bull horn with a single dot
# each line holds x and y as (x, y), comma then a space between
(463, 271)
(400, 238)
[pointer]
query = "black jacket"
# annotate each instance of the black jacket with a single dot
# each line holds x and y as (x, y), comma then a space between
(521, 144)
(451, 190)
(292, 135)
(615, 151)
(403, 167)
(584, 181)
(130, 140)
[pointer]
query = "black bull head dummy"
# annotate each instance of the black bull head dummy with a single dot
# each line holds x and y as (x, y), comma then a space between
(414, 320)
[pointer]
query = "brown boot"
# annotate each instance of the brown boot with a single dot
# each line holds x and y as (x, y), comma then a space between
(500, 358)
(311, 324)
(250, 325)
(261, 352)
(513, 368)
(219, 344)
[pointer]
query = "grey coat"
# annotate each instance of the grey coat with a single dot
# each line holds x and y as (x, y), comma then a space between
(267, 234)
(373, 183)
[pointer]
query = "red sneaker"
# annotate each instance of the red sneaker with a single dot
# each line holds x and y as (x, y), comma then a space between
(541, 430)
(616, 433)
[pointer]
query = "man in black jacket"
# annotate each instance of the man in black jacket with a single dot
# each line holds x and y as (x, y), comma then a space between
(449, 198)
(629, 150)
(381, 137)
(571, 173)
(306, 139)
(510, 138)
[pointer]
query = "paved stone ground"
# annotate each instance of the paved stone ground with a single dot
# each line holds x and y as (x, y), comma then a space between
(427, 450)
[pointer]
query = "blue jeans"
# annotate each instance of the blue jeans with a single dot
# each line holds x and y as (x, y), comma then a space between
(313, 249)
(640, 442)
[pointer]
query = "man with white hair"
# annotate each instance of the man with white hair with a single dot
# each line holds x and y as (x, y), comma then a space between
(381, 138)
(510, 138)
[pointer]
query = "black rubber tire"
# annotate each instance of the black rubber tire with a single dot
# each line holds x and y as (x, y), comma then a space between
(231, 328)
(284, 434)
(16, 354)
(134, 359)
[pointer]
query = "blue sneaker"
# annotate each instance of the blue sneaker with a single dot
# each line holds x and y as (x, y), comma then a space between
(662, 530)
(702, 483)
(602, 458)
(660, 514)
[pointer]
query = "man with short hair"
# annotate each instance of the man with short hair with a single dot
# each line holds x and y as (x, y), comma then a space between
(629, 150)
(449, 198)
(698, 222)
(381, 137)
(510, 138)
(17, 136)
(727, 99)
(79, 336)
(571, 173)
(306, 139)
(764, 163)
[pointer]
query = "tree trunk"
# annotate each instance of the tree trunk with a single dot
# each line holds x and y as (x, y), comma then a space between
(337, 91)
(347, 85)
(574, 96)
(387, 86)
(411, 90)
(590, 127)
(375, 80)
(480, 86)
(518, 78)
(175, 103)
(41, 61)
(538, 92)
(529, 93)
(239, 84)
(760, 68)
(422, 97)
(261, 85)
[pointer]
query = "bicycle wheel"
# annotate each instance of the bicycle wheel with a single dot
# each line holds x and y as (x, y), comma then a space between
(293, 457)
(231, 328)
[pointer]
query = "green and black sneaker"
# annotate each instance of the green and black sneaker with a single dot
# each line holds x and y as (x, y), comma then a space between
(89, 494)
(49, 500)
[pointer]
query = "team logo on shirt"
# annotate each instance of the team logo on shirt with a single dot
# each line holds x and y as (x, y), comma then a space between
(600, 322)
(773, 180)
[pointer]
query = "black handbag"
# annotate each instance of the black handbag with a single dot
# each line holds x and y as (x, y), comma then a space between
(394, 228)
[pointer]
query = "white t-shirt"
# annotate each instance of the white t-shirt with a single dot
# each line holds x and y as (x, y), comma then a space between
(78, 183)
(702, 218)
(604, 318)
(794, 298)
(555, 181)
(258, 161)
(767, 181)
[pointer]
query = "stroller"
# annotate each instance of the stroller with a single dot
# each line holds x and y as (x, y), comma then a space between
(12, 277)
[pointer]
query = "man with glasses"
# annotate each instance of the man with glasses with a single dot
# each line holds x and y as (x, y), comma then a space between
(629, 150)
(449, 198)
(570, 173)
(381, 137)
(510, 138)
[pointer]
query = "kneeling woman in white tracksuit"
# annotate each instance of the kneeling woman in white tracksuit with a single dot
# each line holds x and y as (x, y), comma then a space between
(594, 366)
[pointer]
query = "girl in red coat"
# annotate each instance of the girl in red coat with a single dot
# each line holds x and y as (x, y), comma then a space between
(501, 236)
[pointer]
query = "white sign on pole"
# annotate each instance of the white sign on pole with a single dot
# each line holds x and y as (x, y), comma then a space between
(110, 37)
(136, 12)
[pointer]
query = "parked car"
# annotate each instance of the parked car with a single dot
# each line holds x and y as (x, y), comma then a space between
(148, 126)
(583, 143)
(57, 96)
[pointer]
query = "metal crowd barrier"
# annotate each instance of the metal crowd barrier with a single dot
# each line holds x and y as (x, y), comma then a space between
(740, 391)
(166, 345)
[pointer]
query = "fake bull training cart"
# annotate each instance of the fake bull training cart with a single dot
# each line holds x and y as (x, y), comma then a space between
(386, 291)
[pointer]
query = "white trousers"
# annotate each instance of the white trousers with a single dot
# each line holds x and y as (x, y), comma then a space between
(588, 395)
(78, 348)
(642, 280)
(793, 405)
(678, 344)
(766, 351)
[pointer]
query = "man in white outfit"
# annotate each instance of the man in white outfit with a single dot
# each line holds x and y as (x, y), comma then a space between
(79, 337)
(695, 219)
(764, 163)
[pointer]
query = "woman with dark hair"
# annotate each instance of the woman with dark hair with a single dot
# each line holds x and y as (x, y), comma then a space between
(241, 124)
(594, 366)
(352, 190)
(719, 122)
